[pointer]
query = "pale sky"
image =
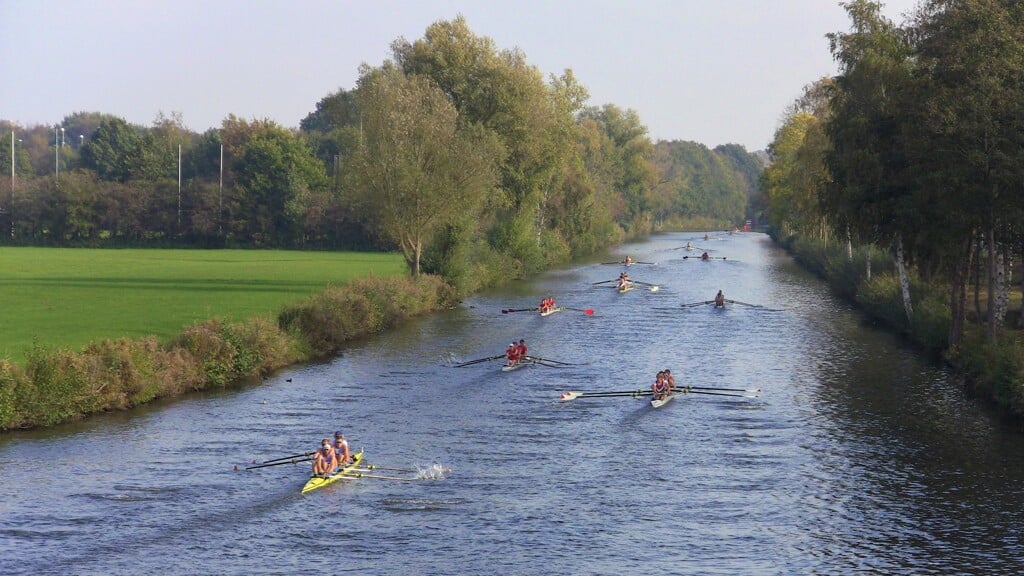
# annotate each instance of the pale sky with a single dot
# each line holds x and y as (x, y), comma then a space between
(710, 71)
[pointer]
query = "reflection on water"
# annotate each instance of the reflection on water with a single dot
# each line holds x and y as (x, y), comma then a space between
(858, 456)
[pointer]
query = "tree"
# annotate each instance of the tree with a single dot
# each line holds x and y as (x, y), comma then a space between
(500, 91)
(971, 59)
(417, 169)
(872, 178)
(275, 174)
(114, 151)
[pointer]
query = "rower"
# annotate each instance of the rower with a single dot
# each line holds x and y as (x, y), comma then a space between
(324, 460)
(689, 245)
(341, 451)
(660, 387)
(627, 261)
(623, 280)
(512, 354)
(706, 237)
(705, 256)
(521, 349)
(669, 380)
(720, 300)
(547, 304)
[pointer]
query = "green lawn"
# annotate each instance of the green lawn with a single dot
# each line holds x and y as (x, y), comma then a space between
(68, 297)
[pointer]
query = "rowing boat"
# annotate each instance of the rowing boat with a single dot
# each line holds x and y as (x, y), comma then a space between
(552, 311)
(658, 403)
(516, 366)
(624, 289)
(319, 481)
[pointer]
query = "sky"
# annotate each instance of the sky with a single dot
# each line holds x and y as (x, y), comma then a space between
(709, 71)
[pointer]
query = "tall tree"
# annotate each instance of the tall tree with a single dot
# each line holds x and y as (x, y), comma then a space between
(417, 169)
(971, 56)
(872, 187)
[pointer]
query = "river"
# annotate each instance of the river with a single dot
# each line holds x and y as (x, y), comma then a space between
(857, 456)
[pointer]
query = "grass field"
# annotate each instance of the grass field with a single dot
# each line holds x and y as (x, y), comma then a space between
(68, 297)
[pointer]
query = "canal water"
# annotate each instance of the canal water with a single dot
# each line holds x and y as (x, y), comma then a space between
(857, 456)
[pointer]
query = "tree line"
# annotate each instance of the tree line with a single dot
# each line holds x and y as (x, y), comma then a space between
(458, 153)
(915, 148)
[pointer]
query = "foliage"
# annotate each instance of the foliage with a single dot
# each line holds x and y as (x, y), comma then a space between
(341, 313)
(418, 171)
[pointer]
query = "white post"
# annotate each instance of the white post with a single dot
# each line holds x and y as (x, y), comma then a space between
(56, 154)
(220, 192)
(179, 188)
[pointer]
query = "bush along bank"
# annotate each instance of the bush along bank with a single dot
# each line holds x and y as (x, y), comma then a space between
(994, 372)
(55, 386)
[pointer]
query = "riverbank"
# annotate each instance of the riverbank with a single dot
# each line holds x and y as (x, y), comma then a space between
(993, 373)
(58, 385)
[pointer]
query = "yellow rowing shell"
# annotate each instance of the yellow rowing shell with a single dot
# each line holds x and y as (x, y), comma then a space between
(319, 482)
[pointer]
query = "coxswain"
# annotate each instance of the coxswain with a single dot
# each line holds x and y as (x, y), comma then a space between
(512, 354)
(720, 300)
(705, 256)
(521, 349)
(324, 460)
(341, 451)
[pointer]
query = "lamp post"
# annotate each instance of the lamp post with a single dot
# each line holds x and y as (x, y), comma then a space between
(61, 136)
(56, 154)
(10, 205)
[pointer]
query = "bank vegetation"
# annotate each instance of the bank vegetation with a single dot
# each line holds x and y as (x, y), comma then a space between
(900, 179)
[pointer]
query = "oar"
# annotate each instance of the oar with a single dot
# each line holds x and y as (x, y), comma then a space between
(289, 457)
(587, 311)
(471, 362)
(507, 310)
(744, 303)
(702, 257)
(651, 263)
(378, 476)
(749, 390)
(604, 282)
(377, 467)
(651, 287)
(692, 304)
(295, 461)
(625, 394)
(539, 359)
(684, 391)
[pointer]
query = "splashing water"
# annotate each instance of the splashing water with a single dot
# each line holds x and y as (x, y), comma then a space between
(432, 472)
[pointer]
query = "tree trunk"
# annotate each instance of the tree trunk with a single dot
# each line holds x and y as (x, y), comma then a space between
(904, 280)
(958, 295)
(990, 240)
(976, 270)
(1004, 264)
(1020, 321)
(849, 244)
(868, 260)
